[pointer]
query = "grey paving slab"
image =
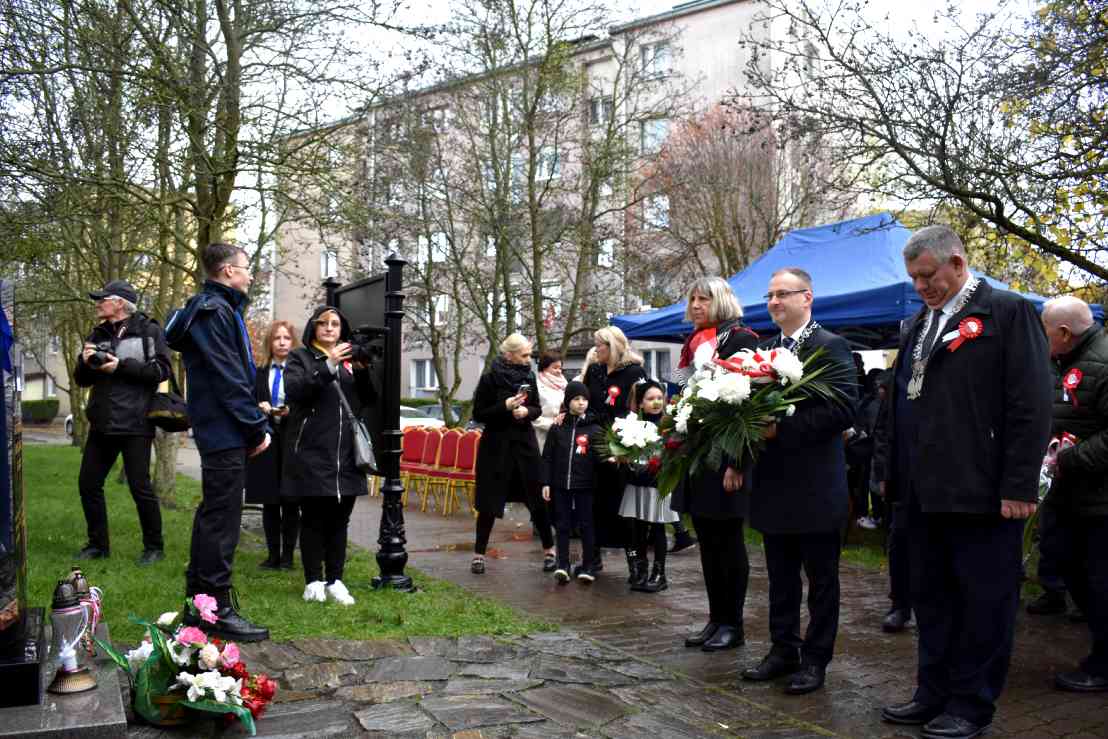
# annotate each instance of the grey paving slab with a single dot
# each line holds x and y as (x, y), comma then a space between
(322, 675)
(394, 720)
(516, 669)
(564, 670)
(478, 686)
(342, 649)
(462, 712)
(409, 668)
(384, 692)
(574, 705)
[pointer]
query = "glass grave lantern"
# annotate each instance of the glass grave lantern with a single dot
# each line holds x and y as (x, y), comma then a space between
(69, 619)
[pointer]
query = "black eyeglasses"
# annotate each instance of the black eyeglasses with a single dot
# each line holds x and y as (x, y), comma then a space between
(782, 294)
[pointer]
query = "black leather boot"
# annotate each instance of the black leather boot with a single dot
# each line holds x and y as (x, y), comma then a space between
(632, 566)
(641, 572)
(657, 579)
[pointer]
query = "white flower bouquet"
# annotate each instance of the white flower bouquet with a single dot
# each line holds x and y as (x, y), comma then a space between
(632, 440)
(727, 404)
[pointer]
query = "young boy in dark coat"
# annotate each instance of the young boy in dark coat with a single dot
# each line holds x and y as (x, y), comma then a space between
(569, 476)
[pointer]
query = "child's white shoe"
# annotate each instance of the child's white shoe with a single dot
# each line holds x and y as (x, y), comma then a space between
(316, 591)
(337, 592)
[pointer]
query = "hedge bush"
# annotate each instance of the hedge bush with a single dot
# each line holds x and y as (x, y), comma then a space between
(40, 411)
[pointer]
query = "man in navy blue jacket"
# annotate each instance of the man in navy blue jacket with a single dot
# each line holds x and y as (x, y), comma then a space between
(227, 425)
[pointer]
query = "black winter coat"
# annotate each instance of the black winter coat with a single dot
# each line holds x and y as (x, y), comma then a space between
(983, 418)
(508, 460)
(263, 472)
(318, 441)
(119, 400)
(800, 476)
(614, 386)
(562, 467)
(703, 496)
(1081, 482)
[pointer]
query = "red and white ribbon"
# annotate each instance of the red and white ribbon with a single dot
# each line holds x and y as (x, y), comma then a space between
(970, 328)
(613, 393)
(1069, 385)
(582, 444)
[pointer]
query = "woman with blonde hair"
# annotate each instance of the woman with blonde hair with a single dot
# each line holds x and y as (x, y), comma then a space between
(506, 400)
(280, 516)
(610, 380)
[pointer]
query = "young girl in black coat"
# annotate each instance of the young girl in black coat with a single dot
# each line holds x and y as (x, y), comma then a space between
(569, 478)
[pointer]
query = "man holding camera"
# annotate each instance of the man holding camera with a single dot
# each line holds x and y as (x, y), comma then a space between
(124, 360)
(228, 427)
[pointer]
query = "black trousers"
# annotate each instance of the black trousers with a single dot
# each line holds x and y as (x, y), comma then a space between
(726, 567)
(1086, 577)
(217, 523)
(1054, 549)
(900, 571)
(965, 592)
(818, 554)
(574, 508)
(539, 519)
(281, 523)
(101, 451)
(323, 525)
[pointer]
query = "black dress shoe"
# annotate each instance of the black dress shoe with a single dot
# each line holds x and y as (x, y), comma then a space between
(682, 540)
(1077, 616)
(771, 667)
(149, 557)
(92, 552)
(946, 726)
(549, 563)
(286, 563)
(910, 713)
(270, 563)
(726, 637)
(698, 639)
(1048, 604)
(808, 678)
(229, 625)
(896, 620)
(1080, 681)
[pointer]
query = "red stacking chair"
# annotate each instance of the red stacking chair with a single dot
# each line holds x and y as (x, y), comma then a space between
(411, 455)
(439, 477)
(462, 477)
(419, 475)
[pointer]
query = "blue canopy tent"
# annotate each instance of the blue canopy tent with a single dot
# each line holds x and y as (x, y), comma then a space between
(862, 288)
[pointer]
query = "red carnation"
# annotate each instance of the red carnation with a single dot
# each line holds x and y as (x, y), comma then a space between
(673, 442)
(653, 465)
(238, 671)
(266, 687)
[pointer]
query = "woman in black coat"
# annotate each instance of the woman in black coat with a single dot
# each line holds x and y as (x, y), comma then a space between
(319, 467)
(508, 463)
(617, 369)
(280, 516)
(717, 501)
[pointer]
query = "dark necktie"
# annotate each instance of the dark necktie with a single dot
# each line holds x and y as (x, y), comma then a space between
(929, 339)
(788, 342)
(276, 384)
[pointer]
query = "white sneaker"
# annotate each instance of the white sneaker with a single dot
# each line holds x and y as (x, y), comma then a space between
(338, 593)
(316, 591)
(867, 523)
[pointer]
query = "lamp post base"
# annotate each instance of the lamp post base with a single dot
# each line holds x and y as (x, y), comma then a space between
(392, 556)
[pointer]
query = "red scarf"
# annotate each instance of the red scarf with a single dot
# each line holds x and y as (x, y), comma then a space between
(693, 343)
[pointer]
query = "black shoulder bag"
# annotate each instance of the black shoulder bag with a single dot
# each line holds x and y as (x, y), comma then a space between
(168, 411)
(364, 456)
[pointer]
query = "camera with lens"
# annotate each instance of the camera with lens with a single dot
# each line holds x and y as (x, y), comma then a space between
(101, 356)
(367, 345)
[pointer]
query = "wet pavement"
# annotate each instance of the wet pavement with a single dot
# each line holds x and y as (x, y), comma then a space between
(870, 669)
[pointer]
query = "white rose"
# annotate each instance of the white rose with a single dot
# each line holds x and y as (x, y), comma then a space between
(167, 618)
(787, 366)
(734, 388)
(209, 657)
(137, 657)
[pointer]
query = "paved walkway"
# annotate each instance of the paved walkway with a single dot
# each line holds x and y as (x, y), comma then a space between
(870, 668)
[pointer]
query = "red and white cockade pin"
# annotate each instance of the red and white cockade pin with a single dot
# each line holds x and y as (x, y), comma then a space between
(613, 393)
(970, 328)
(1069, 385)
(582, 444)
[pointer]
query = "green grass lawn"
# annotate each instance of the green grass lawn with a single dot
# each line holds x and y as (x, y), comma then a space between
(56, 530)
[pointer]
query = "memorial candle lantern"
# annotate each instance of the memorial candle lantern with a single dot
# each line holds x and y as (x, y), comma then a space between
(69, 619)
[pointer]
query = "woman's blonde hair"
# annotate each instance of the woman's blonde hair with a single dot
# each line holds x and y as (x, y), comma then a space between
(590, 360)
(267, 348)
(514, 343)
(619, 348)
(724, 306)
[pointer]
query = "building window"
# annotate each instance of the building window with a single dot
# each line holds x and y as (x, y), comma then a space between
(656, 364)
(655, 212)
(490, 246)
(600, 110)
(552, 298)
(438, 251)
(652, 134)
(51, 389)
(423, 375)
(657, 59)
(606, 253)
(328, 263)
(55, 344)
(548, 164)
(440, 309)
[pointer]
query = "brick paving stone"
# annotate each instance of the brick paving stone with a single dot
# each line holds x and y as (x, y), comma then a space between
(870, 669)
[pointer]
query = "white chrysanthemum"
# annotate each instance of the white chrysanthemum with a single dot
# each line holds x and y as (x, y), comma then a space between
(209, 656)
(708, 390)
(734, 388)
(787, 366)
(137, 657)
(681, 420)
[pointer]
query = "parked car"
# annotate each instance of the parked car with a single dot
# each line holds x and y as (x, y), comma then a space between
(410, 416)
(435, 411)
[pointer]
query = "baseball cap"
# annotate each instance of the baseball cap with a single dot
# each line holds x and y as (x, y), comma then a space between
(118, 288)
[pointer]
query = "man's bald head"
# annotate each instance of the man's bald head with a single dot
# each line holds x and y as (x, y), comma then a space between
(1065, 319)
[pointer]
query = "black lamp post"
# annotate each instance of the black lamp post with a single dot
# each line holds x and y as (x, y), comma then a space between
(391, 557)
